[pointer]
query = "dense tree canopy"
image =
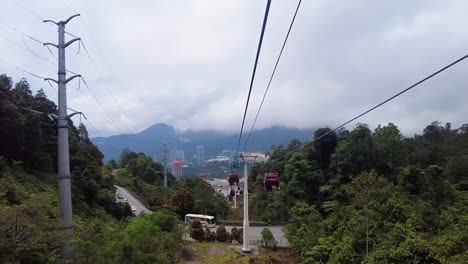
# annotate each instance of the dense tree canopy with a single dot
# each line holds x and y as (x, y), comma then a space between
(358, 196)
(372, 197)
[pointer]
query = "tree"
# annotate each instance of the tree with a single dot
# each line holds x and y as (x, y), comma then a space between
(325, 146)
(152, 238)
(390, 151)
(126, 156)
(303, 177)
(156, 202)
(221, 234)
(83, 133)
(210, 236)
(183, 201)
(236, 234)
(304, 228)
(29, 232)
(206, 199)
(268, 240)
(196, 231)
(354, 153)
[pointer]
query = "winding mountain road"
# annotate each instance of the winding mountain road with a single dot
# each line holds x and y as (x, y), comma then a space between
(131, 200)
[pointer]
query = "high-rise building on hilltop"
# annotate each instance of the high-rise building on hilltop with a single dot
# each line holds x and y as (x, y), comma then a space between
(177, 168)
(200, 155)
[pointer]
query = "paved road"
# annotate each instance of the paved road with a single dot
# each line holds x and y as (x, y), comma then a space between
(132, 200)
(254, 234)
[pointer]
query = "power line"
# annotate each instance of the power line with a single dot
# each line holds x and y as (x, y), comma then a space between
(25, 48)
(103, 80)
(88, 54)
(100, 104)
(29, 50)
(96, 131)
(267, 10)
(42, 78)
(52, 63)
(20, 32)
(22, 70)
(272, 74)
(375, 107)
(36, 15)
(102, 109)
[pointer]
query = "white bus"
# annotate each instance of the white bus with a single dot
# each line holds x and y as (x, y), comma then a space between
(205, 220)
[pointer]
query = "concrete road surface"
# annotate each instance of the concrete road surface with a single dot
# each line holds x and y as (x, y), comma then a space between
(132, 200)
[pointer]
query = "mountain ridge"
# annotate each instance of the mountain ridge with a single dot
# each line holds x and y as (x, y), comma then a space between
(151, 140)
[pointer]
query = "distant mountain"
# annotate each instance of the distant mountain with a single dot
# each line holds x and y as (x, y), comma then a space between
(150, 141)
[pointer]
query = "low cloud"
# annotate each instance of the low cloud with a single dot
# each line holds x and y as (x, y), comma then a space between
(188, 64)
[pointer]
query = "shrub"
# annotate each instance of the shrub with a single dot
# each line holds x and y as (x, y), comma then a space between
(221, 234)
(236, 234)
(196, 231)
(268, 240)
(210, 236)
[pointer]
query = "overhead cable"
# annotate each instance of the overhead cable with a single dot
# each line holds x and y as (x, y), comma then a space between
(272, 74)
(267, 10)
(375, 107)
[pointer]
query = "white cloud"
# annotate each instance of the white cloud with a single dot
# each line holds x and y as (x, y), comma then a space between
(188, 63)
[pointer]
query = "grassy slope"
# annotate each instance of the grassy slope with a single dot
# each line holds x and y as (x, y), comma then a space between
(230, 256)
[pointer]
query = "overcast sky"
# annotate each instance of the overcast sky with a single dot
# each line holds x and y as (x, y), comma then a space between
(188, 63)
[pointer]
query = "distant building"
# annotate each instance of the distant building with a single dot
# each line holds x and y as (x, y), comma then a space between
(200, 154)
(177, 168)
(174, 154)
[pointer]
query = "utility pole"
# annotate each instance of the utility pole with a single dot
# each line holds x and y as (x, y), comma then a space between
(65, 203)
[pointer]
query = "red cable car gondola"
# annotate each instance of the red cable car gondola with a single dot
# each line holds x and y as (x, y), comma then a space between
(233, 178)
(271, 181)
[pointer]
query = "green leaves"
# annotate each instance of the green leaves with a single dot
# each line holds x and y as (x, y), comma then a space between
(267, 238)
(183, 201)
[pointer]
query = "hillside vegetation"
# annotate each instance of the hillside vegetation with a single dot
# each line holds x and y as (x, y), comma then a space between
(103, 230)
(365, 196)
(356, 196)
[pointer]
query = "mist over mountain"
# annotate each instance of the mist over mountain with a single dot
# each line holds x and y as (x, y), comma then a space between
(150, 141)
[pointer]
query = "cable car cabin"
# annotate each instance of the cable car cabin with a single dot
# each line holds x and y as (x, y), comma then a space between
(233, 178)
(271, 181)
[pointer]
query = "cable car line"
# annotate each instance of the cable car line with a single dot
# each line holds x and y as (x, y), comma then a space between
(272, 74)
(267, 10)
(376, 106)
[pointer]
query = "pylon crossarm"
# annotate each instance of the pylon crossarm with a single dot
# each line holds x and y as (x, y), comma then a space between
(45, 21)
(71, 41)
(50, 79)
(71, 78)
(51, 44)
(70, 18)
(72, 114)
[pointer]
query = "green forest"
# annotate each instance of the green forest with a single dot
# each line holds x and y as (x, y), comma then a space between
(104, 231)
(365, 196)
(353, 196)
